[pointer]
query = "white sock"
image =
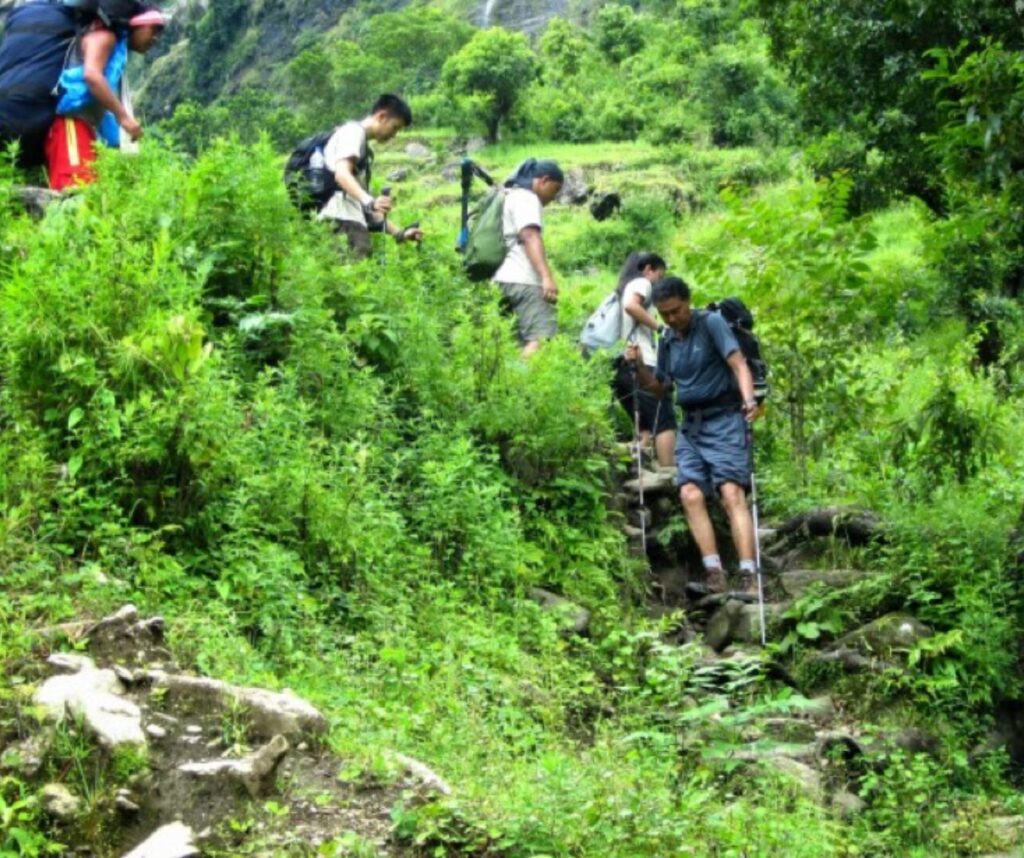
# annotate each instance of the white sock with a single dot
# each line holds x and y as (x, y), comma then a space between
(748, 566)
(712, 561)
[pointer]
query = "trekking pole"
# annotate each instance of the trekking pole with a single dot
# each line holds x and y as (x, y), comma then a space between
(757, 537)
(385, 192)
(639, 451)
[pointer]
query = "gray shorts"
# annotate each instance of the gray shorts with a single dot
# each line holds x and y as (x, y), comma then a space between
(535, 317)
(714, 449)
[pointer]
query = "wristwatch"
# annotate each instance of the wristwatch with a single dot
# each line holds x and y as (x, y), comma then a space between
(368, 205)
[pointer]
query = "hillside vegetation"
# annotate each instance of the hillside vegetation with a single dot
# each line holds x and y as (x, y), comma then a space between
(341, 478)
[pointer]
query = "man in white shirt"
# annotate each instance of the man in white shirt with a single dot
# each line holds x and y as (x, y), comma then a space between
(353, 209)
(527, 285)
(638, 326)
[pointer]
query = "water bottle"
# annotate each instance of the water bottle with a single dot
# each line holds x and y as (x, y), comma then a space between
(318, 174)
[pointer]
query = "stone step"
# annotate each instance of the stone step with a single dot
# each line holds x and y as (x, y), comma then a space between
(657, 482)
(738, 621)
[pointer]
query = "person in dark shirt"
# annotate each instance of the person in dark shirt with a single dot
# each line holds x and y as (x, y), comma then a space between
(699, 355)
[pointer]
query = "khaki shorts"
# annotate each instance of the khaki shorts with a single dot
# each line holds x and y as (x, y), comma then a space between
(535, 317)
(359, 245)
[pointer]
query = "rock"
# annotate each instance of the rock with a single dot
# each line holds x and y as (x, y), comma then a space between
(451, 172)
(175, 840)
(417, 150)
(70, 662)
(632, 532)
(797, 582)
(737, 621)
(603, 206)
(799, 773)
(856, 526)
(762, 752)
(577, 618)
(1008, 830)
(793, 730)
(474, 144)
(36, 200)
(193, 729)
(94, 696)
(718, 632)
(887, 634)
(60, 803)
(654, 482)
(426, 776)
(575, 189)
(252, 771)
(124, 802)
(121, 618)
(853, 661)
(399, 175)
(820, 709)
(26, 757)
(848, 805)
(269, 713)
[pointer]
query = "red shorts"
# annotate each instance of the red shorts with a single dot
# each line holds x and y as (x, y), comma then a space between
(70, 153)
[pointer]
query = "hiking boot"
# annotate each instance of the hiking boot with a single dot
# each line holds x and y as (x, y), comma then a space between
(747, 590)
(715, 580)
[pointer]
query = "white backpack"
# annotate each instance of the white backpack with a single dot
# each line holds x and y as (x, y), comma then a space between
(604, 327)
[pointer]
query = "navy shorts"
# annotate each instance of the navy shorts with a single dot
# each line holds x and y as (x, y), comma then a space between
(712, 449)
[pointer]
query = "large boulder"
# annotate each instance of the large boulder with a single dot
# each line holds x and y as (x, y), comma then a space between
(891, 633)
(269, 713)
(576, 619)
(575, 189)
(738, 622)
(96, 698)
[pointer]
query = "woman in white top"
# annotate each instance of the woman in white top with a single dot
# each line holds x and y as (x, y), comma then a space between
(657, 416)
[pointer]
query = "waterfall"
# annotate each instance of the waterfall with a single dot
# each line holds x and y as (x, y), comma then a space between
(488, 9)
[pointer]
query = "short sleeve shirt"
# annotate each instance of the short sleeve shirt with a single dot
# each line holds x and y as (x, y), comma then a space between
(632, 330)
(522, 209)
(696, 361)
(349, 141)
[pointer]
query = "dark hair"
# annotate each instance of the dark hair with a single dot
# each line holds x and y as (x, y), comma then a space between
(394, 106)
(532, 169)
(635, 264)
(670, 287)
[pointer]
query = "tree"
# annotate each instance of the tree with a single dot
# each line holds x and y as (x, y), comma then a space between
(617, 30)
(415, 43)
(491, 73)
(859, 69)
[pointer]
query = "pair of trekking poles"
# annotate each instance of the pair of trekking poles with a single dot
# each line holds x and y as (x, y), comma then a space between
(755, 516)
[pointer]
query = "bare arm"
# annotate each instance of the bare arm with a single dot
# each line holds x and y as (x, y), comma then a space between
(648, 380)
(533, 245)
(635, 310)
(345, 177)
(96, 49)
(745, 382)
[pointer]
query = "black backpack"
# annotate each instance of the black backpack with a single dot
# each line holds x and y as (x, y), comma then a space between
(36, 39)
(114, 13)
(741, 322)
(310, 184)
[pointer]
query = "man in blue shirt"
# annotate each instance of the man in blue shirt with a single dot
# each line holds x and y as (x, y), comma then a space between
(699, 355)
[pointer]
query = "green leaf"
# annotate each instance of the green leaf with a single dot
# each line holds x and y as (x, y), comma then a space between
(75, 464)
(75, 417)
(811, 631)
